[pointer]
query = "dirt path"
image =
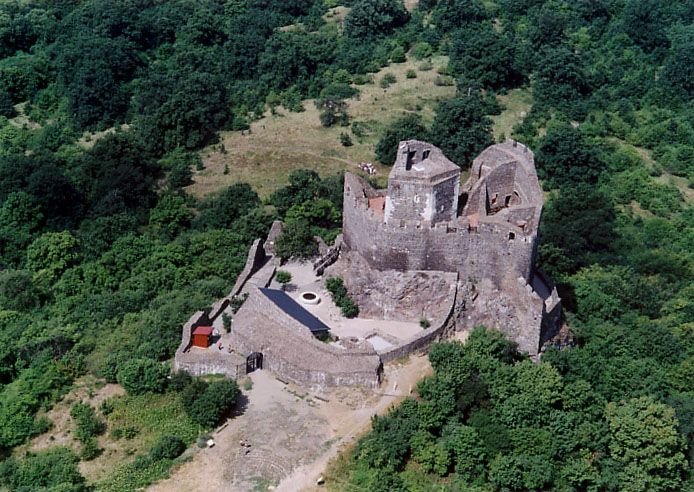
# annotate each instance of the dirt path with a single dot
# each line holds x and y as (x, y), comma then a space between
(400, 381)
(292, 434)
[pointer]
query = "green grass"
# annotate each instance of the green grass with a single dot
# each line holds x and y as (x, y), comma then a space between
(517, 104)
(154, 415)
(288, 141)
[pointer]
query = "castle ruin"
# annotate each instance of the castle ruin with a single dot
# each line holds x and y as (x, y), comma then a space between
(425, 248)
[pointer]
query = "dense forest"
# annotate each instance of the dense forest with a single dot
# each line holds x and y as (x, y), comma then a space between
(103, 254)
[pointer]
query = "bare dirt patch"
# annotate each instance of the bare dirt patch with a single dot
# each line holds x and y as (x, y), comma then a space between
(293, 433)
(288, 141)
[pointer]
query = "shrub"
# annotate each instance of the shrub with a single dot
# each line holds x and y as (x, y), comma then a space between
(296, 240)
(88, 425)
(444, 81)
(345, 140)
(179, 381)
(411, 74)
(424, 323)
(338, 291)
(398, 55)
(106, 407)
(361, 79)
(422, 50)
(167, 447)
(139, 376)
(207, 404)
(90, 449)
(426, 66)
(387, 80)
(283, 277)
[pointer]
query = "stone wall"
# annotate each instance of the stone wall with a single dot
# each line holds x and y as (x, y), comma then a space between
(423, 340)
(484, 251)
(290, 350)
(254, 261)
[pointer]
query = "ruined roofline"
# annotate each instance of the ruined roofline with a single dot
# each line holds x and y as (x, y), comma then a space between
(419, 160)
(356, 187)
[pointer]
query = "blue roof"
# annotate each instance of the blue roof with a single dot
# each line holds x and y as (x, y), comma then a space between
(293, 309)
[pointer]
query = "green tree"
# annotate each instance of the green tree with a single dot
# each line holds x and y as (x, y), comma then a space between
(17, 291)
(167, 447)
(373, 18)
(207, 404)
(482, 54)
(333, 110)
(679, 66)
(53, 469)
(461, 129)
(408, 127)
(646, 446)
(564, 156)
(170, 216)
(6, 107)
(296, 241)
(283, 277)
(139, 376)
(51, 254)
(222, 209)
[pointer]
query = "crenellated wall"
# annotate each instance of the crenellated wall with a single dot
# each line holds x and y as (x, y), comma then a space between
(490, 249)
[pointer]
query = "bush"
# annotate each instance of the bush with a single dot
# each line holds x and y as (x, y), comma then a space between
(424, 323)
(426, 66)
(398, 55)
(296, 240)
(444, 81)
(90, 449)
(345, 140)
(140, 376)
(283, 277)
(88, 425)
(54, 469)
(338, 291)
(207, 404)
(411, 74)
(167, 447)
(422, 51)
(179, 381)
(387, 80)
(361, 79)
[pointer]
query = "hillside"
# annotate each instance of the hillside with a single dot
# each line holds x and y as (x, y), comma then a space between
(144, 145)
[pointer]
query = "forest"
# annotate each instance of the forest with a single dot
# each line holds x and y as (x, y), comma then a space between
(104, 107)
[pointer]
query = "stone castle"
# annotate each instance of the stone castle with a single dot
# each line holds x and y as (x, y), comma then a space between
(425, 248)
(485, 232)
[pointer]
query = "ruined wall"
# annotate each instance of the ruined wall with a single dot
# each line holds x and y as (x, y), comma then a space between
(448, 246)
(201, 362)
(254, 261)
(290, 350)
(411, 199)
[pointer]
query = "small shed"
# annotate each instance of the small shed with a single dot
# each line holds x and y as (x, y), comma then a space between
(202, 336)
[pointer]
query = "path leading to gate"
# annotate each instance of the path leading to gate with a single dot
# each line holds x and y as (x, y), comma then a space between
(292, 433)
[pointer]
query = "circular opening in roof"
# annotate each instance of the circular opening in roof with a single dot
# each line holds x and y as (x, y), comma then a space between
(310, 298)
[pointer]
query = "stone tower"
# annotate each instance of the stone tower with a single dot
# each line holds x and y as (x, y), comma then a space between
(422, 186)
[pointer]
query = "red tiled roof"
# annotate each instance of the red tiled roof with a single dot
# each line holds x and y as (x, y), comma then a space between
(203, 330)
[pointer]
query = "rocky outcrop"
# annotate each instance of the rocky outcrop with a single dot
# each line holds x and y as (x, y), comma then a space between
(392, 294)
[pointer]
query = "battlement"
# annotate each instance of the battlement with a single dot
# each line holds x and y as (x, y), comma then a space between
(423, 221)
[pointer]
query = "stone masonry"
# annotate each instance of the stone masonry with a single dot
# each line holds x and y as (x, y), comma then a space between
(486, 232)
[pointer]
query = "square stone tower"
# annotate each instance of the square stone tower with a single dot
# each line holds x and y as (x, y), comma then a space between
(422, 186)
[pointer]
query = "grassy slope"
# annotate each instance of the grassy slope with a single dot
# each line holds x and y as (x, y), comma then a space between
(280, 144)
